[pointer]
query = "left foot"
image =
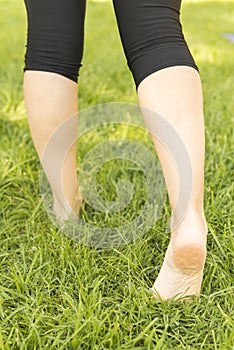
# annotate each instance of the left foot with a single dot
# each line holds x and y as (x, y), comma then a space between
(64, 212)
(182, 270)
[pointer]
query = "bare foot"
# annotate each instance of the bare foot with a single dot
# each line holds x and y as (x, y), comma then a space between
(182, 270)
(64, 212)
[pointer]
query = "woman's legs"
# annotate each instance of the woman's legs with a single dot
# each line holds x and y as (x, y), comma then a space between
(168, 83)
(52, 62)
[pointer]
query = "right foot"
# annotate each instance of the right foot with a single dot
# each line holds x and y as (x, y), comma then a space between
(182, 270)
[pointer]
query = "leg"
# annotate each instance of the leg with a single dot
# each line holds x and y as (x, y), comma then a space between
(181, 104)
(52, 61)
(168, 83)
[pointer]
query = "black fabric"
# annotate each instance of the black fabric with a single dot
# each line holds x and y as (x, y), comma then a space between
(150, 31)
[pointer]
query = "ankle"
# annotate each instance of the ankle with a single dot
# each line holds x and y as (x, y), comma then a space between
(194, 219)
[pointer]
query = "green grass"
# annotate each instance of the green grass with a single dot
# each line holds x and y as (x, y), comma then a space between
(58, 294)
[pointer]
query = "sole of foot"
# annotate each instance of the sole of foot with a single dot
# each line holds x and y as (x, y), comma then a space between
(181, 273)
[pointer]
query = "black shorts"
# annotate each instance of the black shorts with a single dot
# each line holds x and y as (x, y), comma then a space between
(150, 31)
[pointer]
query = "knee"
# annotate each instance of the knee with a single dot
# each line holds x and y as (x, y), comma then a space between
(55, 36)
(63, 57)
(154, 39)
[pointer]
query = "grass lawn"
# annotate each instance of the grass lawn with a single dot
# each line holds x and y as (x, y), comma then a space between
(59, 294)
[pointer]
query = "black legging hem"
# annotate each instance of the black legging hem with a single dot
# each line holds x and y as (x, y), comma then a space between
(155, 69)
(51, 70)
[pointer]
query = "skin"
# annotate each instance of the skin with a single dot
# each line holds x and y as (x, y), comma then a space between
(50, 99)
(175, 93)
